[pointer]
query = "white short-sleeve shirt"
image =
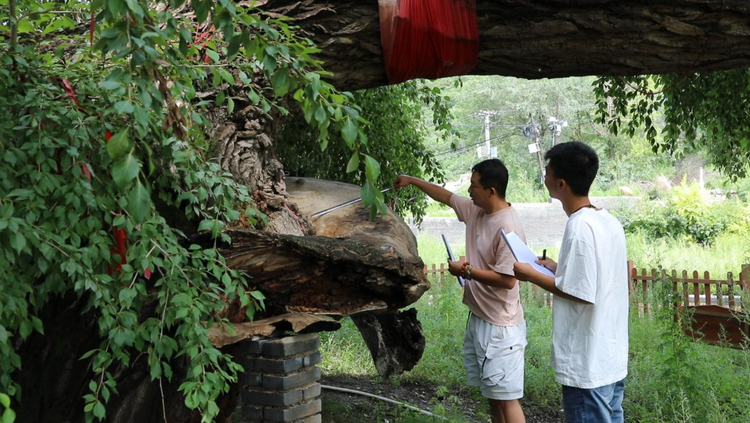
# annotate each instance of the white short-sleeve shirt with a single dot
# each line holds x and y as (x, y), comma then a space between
(590, 341)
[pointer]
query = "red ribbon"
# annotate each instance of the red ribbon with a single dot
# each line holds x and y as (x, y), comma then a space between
(428, 38)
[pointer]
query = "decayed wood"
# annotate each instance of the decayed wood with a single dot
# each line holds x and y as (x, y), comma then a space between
(271, 327)
(395, 339)
(352, 266)
(324, 275)
(546, 39)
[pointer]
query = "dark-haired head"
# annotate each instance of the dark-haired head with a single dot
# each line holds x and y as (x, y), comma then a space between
(493, 174)
(576, 163)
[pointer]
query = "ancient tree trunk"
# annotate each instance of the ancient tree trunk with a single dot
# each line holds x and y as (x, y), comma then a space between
(395, 340)
(350, 265)
(54, 379)
(546, 39)
(324, 275)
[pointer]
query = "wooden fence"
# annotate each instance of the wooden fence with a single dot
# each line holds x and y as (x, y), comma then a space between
(440, 272)
(694, 289)
(691, 289)
(720, 308)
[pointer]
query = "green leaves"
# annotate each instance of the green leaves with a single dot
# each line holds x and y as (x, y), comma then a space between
(125, 170)
(372, 169)
(9, 416)
(280, 82)
(139, 203)
(70, 229)
(349, 132)
(110, 85)
(702, 111)
(17, 241)
(353, 163)
(119, 145)
(124, 107)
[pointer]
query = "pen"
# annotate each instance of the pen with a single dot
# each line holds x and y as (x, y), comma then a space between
(544, 254)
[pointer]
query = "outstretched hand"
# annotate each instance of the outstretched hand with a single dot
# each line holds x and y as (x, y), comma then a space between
(402, 181)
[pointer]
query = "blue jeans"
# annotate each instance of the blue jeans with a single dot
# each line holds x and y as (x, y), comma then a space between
(598, 405)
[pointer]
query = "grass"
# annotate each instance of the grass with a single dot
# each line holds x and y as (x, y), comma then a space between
(727, 254)
(672, 379)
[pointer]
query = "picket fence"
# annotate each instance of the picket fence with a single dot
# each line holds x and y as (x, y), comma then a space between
(695, 288)
(719, 309)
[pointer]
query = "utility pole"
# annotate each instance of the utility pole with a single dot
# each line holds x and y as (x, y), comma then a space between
(531, 130)
(556, 124)
(535, 131)
(557, 116)
(487, 133)
(486, 149)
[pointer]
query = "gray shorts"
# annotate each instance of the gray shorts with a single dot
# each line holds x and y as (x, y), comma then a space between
(493, 358)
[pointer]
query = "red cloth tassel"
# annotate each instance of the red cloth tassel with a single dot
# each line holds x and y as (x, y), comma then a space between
(428, 38)
(121, 239)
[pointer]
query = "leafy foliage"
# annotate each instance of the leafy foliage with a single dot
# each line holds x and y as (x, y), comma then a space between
(700, 111)
(522, 108)
(93, 166)
(396, 123)
(689, 214)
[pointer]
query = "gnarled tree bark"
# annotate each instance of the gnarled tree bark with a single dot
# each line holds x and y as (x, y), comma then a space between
(545, 39)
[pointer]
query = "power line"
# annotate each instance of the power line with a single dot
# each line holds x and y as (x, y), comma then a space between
(470, 146)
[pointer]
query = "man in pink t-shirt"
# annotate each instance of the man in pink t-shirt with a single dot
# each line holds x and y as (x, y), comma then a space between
(496, 332)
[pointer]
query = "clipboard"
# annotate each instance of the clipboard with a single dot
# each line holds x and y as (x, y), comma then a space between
(452, 258)
(523, 253)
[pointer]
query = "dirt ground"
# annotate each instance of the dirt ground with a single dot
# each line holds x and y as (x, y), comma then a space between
(423, 396)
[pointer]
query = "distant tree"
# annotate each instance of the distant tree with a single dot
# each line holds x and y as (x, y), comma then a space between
(701, 111)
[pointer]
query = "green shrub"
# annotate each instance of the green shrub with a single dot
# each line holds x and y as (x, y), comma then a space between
(689, 215)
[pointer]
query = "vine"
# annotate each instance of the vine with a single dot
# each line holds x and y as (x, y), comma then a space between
(99, 145)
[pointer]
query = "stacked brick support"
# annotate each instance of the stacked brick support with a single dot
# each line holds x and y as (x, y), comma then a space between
(280, 381)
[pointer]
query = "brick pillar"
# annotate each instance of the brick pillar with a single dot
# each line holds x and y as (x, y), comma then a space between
(280, 382)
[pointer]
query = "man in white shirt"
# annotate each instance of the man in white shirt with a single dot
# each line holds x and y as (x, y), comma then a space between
(496, 332)
(590, 311)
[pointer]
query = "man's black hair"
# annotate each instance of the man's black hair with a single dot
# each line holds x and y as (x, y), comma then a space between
(492, 174)
(575, 162)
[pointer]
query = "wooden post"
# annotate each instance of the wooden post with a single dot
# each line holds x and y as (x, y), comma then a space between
(706, 277)
(730, 289)
(745, 285)
(631, 273)
(676, 287)
(707, 289)
(684, 289)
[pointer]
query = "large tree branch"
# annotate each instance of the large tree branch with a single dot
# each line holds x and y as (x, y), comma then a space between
(546, 39)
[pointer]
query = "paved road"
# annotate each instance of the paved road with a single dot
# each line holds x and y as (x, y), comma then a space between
(544, 222)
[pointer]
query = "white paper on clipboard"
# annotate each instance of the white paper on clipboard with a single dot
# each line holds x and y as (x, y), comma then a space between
(523, 253)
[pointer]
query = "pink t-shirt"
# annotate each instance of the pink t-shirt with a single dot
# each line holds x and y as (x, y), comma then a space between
(486, 249)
